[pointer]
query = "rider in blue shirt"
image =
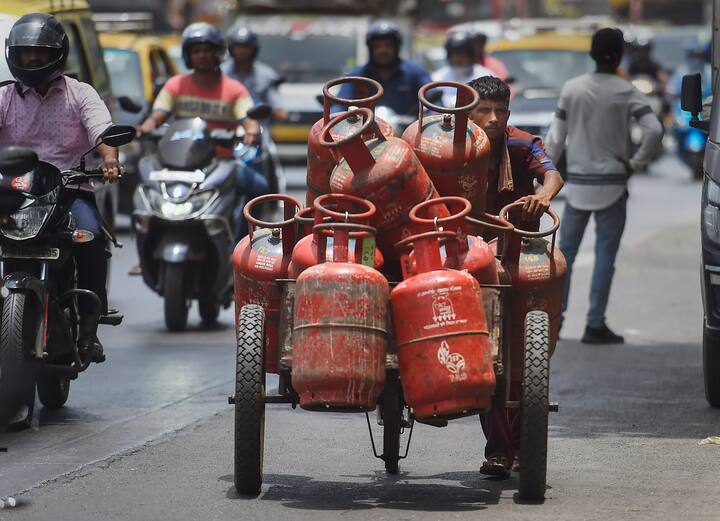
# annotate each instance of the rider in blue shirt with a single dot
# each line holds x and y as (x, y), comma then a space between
(400, 78)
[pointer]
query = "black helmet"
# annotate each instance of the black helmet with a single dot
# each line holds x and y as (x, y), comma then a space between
(242, 35)
(42, 31)
(461, 41)
(384, 29)
(202, 32)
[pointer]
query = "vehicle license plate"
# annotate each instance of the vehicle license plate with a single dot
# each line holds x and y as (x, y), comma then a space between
(177, 176)
(29, 252)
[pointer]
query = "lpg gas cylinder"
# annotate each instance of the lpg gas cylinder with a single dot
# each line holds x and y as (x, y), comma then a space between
(537, 269)
(471, 252)
(454, 151)
(444, 349)
(340, 330)
(384, 171)
(335, 208)
(261, 257)
(320, 160)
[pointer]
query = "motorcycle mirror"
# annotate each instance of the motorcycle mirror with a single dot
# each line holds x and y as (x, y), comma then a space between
(118, 135)
(128, 105)
(17, 161)
(691, 94)
(261, 111)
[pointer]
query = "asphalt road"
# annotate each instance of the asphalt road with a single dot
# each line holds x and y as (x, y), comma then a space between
(147, 435)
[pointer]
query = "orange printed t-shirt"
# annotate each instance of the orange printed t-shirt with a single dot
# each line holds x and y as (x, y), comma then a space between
(221, 107)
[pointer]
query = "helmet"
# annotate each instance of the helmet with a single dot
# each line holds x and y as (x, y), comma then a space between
(242, 35)
(41, 31)
(383, 29)
(461, 41)
(202, 32)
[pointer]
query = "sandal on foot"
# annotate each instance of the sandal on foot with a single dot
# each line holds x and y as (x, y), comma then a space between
(495, 466)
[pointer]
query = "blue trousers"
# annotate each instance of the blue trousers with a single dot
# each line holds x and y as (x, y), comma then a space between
(249, 184)
(609, 227)
(90, 257)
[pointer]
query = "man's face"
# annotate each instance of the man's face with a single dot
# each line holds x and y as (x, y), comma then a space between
(383, 52)
(492, 117)
(241, 53)
(459, 59)
(202, 57)
(33, 57)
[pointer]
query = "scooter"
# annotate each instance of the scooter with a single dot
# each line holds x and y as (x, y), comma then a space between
(40, 320)
(184, 219)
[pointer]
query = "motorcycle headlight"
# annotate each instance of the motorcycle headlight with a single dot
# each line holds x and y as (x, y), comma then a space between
(711, 212)
(27, 222)
(195, 205)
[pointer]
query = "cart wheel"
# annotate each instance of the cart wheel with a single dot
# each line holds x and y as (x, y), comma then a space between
(533, 444)
(250, 400)
(392, 409)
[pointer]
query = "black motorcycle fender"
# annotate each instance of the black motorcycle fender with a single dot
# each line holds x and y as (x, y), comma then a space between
(177, 248)
(20, 282)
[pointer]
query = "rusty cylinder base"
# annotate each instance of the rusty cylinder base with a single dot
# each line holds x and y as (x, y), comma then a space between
(331, 401)
(451, 409)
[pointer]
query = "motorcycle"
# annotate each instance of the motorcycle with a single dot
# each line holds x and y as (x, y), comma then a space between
(183, 218)
(656, 97)
(690, 141)
(40, 321)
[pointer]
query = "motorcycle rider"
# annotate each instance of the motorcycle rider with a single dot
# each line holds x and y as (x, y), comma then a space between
(60, 118)
(461, 66)
(641, 63)
(259, 79)
(209, 94)
(400, 79)
(496, 65)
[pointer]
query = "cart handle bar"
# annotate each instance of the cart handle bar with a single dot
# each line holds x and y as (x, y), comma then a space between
(505, 214)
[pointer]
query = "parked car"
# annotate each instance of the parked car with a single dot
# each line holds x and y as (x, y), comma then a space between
(85, 62)
(139, 66)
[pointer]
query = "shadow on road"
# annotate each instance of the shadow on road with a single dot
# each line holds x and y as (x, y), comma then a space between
(622, 390)
(466, 491)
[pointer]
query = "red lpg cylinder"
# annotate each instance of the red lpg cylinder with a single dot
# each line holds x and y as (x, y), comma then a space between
(444, 348)
(537, 269)
(349, 209)
(262, 256)
(384, 171)
(454, 151)
(321, 161)
(340, 330)
(465, 252)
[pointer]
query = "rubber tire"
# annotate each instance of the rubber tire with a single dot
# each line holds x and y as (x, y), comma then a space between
(176, 302)
(209, 310)
(711, 367)
(53, 390)
(534, 407)
(392, 409)
(17, 383)
(250, 400)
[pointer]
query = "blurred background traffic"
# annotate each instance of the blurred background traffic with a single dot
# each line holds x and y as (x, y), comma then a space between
(541, 43)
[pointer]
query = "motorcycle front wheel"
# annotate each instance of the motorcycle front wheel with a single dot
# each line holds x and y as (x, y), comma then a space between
(176, 301)
(18, 332)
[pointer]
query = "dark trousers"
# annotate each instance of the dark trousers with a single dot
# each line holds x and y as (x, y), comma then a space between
(90, 257)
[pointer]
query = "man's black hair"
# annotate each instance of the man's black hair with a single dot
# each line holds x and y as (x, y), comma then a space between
(607, 46)
(491, 88)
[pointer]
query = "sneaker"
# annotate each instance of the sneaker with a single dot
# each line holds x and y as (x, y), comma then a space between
(93, 348)
(600, 335)
(496, 466)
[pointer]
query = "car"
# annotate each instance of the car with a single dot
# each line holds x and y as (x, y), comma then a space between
(85, 62)
(539, 66)
(307, 51)
(139, 66)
